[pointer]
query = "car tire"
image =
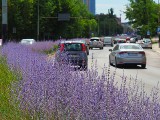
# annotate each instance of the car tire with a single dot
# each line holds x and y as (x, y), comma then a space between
(110, 62)
(143, 66)
(84, 67)
(117, 65)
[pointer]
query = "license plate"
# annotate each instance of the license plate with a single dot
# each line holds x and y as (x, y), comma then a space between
(132, 54)
(73, 56)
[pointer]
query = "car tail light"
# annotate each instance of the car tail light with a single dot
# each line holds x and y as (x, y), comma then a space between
(62, 47)
(83, 47)
(142, 53)
(122, 53)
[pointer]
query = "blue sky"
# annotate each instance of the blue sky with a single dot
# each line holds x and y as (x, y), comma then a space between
(102, 6)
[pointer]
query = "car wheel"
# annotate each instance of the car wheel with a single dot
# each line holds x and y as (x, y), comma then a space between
(110, 62)
(143, 66)
(151, 48)
(116, 65)
(84, 67)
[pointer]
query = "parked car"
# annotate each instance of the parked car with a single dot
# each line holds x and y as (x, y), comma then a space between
(108, 41)
(95, 42)
(127, 53)
(146, 43)
(27, 41)
(74, 53)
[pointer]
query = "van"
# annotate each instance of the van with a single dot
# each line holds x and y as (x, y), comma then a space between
(108, 41)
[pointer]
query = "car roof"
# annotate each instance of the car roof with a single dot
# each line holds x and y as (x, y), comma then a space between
(71, 41)
(128, 44)
(28, 39)
(95, 38)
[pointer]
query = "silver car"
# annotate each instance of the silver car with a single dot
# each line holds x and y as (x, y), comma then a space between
(95, 42)
(127, 53)
(146, 43)
(27, 41)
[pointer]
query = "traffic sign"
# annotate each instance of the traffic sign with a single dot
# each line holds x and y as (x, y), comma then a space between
(158, 30)
(148, 32)
(63, 17)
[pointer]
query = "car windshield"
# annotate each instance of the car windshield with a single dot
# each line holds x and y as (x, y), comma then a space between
(94, 40)
(147, 40)
(73, 47)
(130, 47)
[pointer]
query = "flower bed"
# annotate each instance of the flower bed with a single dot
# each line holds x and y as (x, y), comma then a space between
(53, 91)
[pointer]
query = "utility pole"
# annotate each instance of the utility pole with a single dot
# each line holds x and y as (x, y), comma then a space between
(4, 21)
(38, 20)
(158, 24)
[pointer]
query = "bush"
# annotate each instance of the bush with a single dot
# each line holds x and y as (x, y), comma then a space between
(53, 91)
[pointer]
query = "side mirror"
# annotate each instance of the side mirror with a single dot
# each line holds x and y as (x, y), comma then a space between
(110, 50)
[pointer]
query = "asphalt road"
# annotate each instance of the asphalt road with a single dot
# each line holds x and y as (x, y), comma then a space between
(149, 76)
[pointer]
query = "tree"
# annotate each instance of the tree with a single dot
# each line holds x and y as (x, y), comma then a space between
(143, 13)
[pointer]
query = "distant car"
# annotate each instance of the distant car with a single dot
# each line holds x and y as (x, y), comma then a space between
(108, 41)
(95, 42)
(120, 40)
(27, 41)
(75, 53)
(146, 43)
(127, 53)
(133, 40)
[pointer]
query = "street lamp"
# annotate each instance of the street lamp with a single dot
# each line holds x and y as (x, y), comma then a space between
(158, 25)
(38, 21)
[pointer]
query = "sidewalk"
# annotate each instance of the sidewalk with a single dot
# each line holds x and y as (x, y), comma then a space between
(155, 47)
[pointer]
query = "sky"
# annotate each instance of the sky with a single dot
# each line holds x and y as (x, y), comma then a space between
(102, 6)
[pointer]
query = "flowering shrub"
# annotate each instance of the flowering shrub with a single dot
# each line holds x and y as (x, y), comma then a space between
(53, 91)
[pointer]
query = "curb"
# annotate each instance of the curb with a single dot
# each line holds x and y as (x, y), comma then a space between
(156, 48)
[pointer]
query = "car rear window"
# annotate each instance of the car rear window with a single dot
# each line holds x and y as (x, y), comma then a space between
(73, 47)
(130, 47)
(94, 40)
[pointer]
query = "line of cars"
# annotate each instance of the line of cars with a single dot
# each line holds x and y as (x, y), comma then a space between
(122, 53)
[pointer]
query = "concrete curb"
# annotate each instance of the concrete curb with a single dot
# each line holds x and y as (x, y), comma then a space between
(156, 48)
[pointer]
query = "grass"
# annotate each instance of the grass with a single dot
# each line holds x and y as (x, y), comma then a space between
(8, 111)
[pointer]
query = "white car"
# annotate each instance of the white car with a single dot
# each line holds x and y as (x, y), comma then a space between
(95, 42)
(147, 43)
(27, 41)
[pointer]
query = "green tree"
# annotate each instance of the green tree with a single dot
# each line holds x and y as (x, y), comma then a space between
(143, 13)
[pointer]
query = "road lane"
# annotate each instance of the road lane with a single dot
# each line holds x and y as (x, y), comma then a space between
(150, 76)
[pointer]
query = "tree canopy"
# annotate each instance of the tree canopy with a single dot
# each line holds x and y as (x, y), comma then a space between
(143, 14)
(23, 19)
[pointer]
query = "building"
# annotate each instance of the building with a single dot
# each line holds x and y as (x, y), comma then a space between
(91, 4)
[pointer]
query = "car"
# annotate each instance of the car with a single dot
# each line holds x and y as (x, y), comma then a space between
(133, 40)
(120, 40)
(73, 52)
(108, 41)
(146, 43)
(27, 41)
(127, 53)
(95, 42)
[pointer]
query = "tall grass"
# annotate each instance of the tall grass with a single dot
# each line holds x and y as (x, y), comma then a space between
(8, 111)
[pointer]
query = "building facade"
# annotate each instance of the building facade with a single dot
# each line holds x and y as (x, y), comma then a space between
(91, 4)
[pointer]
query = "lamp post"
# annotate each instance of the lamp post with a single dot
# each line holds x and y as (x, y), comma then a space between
(4, 21)
(158, 26)
(38, 20)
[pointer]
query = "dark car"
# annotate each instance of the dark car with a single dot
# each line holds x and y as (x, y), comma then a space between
(73, 52)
